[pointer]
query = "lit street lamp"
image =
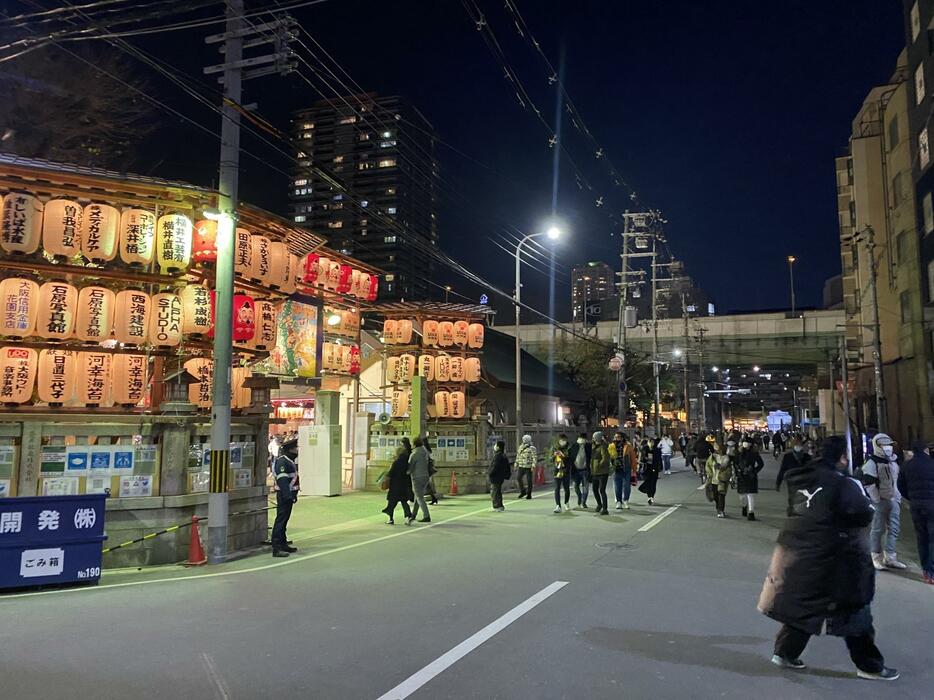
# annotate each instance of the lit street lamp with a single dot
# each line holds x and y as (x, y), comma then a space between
(791, 276)
(447, 291)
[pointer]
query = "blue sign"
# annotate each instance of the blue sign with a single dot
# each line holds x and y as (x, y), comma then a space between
(100, 460)
(77, 461)
(50, 539)
(123, 460)
(484, 300)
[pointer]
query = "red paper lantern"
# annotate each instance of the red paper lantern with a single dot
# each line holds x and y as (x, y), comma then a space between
(137, 236)
(197, 311)
(93, 382)
(131, 317)
(19, 299)
(361, 285)
(243, 253)
(99, 234)
(20, 223)
(57, 304)
(354, 359)
(130, 379)
(310, 271)
(165, 328)
(344, 279)
(17, 374)
(62, 221)
(244, 318)
(334, 276)
(204, 242)
(373, 290)
(95, 314)
(58, 371)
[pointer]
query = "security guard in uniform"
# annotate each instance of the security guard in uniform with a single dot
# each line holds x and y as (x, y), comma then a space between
(286, 473)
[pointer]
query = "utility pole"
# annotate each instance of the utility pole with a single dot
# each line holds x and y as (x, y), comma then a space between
(846, 400)
(621, 325)
(833, 398)
(700, 368)
(658, 391)
(881, 417)
(687, 384)
(232, 74)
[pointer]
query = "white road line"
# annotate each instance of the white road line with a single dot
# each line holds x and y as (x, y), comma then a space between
(220, 687)
(442, 663)
(701, 487)
(658, 518)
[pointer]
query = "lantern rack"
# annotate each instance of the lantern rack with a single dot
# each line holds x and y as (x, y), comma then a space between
(55, 269)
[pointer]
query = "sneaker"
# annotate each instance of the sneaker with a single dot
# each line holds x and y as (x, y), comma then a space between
(425, 520)
(291, 550)
(651, 501)
(878, 562)
(567, 508)
(557, 509)
(619, 505)
(745, 511)
(751, 516)
(604, 512)
(886, 674)
(501, 509)
(390, 522)
(409, 520)
(928, 578)
(893, 563)
(625, 505)
(720, 514)
(782, 662)
(278, 553)
(585, 506)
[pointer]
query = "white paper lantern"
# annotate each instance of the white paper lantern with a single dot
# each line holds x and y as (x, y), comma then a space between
(20, 223)
(173, 243)
(137, 236)
(99, 234)
(62, 222)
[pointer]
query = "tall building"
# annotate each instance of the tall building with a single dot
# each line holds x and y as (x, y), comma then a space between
(381, 149)
(591, 282)
(876, 205)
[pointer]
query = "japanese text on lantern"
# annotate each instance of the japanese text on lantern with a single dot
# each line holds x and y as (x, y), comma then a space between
(58, 306)
(136, 377)
(59, 373)
(97, 377)
(69, 225)
(204, 374)
(137, 320)
(95, 217)
(95, 316)
(16, 307)
(14, 221)
(16, 373)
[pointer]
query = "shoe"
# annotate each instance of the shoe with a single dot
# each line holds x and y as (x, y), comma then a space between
(521, 495)
(567, 508)
(886, 674)
(604, 512)
(782, 662)
(409, 520)
(619, 505)
(651, 501)
(625, 505)
(745, 511)
(501, 509)
(557, 509)
(279, 553)
(878, 562)
(893, 563)
(585, 506)
(529, 497)
(751, 517)
(425, 520)
(289, 542)
(390, 522)
(720, 514)
(291, 550)
(927, 578)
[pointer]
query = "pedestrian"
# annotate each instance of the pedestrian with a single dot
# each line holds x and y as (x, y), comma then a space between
(880, 477)
(794, 458)
(916, 484)
(645, 456)
(746, 467)
(526, 460)
(430, 489)
(682, 445)
(766, 440)
(821, 575)
(419, 472)
(702, 451)
(623, 458)
(286, 472)
(666, 447)
(579, 457)
(600, 471)
(650, 470)
(559, 460)
(690, 452)
(719, 468)
(778, 443)
(497, 473)
(400, 487)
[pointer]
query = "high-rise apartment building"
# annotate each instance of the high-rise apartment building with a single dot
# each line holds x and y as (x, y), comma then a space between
(384, 212)
(590, 283)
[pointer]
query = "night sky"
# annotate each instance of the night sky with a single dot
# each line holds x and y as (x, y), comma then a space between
(724, 115)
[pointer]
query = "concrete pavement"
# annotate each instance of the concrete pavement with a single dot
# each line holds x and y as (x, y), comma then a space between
(668, 611)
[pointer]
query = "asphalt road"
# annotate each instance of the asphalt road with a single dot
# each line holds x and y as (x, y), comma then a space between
(523, 604)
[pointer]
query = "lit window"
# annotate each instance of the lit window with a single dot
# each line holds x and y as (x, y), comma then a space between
(919, 83)
(386, 134)
(363, 232)
(364, 166)
(387, 163)
(348, 120)
(338, 159)
(364, 137)
(391, 190)
(387, 144)
(299, 191)
(389, 239)
(307, 135)
(915, 22)
(300, 218)
(364, 222)
(337, 197)
(335, 224)
(927, 208)
(302, 154)
(364, 203)
(392, 258)
(339, 205)
(308, 125)
(924, 148)
(390, 278)
(303, 181)
(391, 210)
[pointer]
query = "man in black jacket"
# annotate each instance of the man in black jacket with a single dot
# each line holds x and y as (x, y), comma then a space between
(821, 575)
(497, 473)
(916, 484)
(795, 457)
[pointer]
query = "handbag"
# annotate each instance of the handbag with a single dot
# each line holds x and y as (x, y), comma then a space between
(432, 470)
(709, 491)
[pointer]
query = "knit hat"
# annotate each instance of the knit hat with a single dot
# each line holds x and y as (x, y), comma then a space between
(598, 436)
(527, 439)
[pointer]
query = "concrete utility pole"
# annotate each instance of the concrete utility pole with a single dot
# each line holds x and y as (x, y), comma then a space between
(791, 279)
(687, 385)
(881, 417)
(621, 403)
(700, 369)
(846, 400)
(658, 390)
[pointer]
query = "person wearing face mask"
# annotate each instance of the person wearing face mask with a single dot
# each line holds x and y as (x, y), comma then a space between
(794, 458)
(526, 461)
(880, 477)
(821, 576)
(497, 473)
(746, 467)
(719, 468)
(916, 484)
(650, 471)
(666, 446)
(624, 464)
(559, 460)
(600, 471)
(579, 459)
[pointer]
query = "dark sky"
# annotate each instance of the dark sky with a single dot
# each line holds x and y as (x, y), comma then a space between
(726, 115)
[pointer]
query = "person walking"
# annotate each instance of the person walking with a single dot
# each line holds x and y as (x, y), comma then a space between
(666, 447)
(559, 460)
(498, 473)
(778, 443)
(285, 470)
(702, 451)
(794, 458)
(400, 487)
(600, 471)
(430, 489)
(766, 440)
(526, 460)
(916, 484)
(682, 445)
(821, 575)
(623, 458)
(719, 468)
(746, 467)
(690, 452)
(419, 472)
(650, 470)
(579, 457)
(880, 477)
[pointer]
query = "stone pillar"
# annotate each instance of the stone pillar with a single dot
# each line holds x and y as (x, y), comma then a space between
(173, 474)
(327, 408)
(30, 458)
(418, 410)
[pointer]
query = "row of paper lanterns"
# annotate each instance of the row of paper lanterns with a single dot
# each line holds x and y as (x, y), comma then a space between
(200, 393)
(336, 357)
(443, 334)
(335, 276)
(59, 311)
(347, 322)
(441, 368)
(447, 404)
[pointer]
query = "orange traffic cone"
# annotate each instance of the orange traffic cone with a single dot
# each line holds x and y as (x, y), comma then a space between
(196, 556)
(453, 483)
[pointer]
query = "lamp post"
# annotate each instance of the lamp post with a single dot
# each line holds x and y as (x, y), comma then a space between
(554, 233)
(791, 277)
(447, 291)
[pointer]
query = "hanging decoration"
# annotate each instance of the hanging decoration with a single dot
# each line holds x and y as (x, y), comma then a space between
(17, 374)
(442, 368)
(58, 371)
(20, 223)
(131, 317)
(460, 333)
(278, 265)
(265, 336)
(99, 233)
(400, 403)
(19, 298)
(244, 318)
(200, 393)
(334, 276)
(430, 333)
(443, 404)
(392, 370)
(324, 266)
(389, 331)
(373, 290)
(204, 242)
(56, 303)
(310, 269)
(475, 336)
(130, 379)
(137, 237)
(457, 369)
(95, 318)
(345, 278)
(196, 310)
(243, 253)
(472, 370)
(404, 332)
(62, 221)
(165, 328)
(361, 288)
(426, 367)
(92, 386)
(173, 243)
(354, 359)
(458, 404)
(407, 366)
(445, 334)
(260, 268)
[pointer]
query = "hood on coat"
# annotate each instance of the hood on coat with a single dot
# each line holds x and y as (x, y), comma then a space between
(878, 442)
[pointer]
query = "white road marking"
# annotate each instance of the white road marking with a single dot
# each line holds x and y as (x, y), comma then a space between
(701, 487)
(658, 518)
(442, 663)
(220, 687)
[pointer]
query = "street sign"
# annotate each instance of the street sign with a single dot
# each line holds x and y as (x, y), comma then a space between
(484, 300)
(615, 364)
(622, 387)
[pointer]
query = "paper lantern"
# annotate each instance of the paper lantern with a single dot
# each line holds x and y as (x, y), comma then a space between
(240, 396)
(196, 310)
(278, 264)
(260, 268)
(350, 323)
(17, 374)
(334, 276)
(93, 382)
(327, 356)
(265, 336)
(95, 317)
(373, 290)
(290, 274)
(344, 279)
(200, 393)
(99, 233)
(130, 379)
(20, 223)
(404, 332)
(243, 253)
(324, 265)
(442, 368)
(426, 367)
(244, 318)
(131, 317)
(430, 334)
(345, 359)
(137, 236)
(445, 334)
(62, 221)
(173, 243)
(460, 333)
(400, 403)
(457, 369)
(165, 325)
(354, 282)
(310, 268)
(204, 242)
(458, 404)
(475, 335)
(354, 359)
(472, 369)
(389, 331)
(58, 371)
(407, 366)
(443, 404)
(19, 298)
(361, 285)
(57, 303)
(392, 370)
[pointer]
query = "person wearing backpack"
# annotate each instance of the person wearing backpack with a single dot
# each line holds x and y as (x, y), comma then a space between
(497, 473)
(526, 461)
(579, 457)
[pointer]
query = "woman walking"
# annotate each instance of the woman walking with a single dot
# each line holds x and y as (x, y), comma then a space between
(719, 472)
(498, 473)
(624, 464)
(650, 470)
(419, 471)
(600, 471)
(746, 466)
(560, 461)
(579, 459)
(400, 487)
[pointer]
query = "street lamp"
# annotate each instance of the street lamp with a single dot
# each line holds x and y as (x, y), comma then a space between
(553, 233)
(791, 277)
(447, 291)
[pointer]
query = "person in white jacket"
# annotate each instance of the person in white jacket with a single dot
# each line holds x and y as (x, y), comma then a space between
(666, 445)
(526, 460)
(880, 478)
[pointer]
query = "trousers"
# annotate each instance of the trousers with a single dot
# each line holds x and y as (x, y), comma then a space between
(924, 531)
(284, 505)
(581, 486)
(885, 524)
(391, 507)
(418, 487)
(599, 490)
(496, 494)
(524, 475)
(622, 482)
(565, 483)
(790, 643)
(748, 500)
(666, 463)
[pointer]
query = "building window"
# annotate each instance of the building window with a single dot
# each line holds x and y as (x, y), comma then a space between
(915, 22)
(391, 190)
(303, 181)
(919, 83)
(307, 135)
(386, 134)
(299, 191)
(301, 154)
(391, 210)
(390, 278)
(391, 162)
(924, 148)
(338, 159)
(893, 133)
(300, 218)
(392, 258)
(927, 212)
(389, 239)
(904, 306)
(901, 247)
(364, 203)
(337, 197)
(348, 120)
(365, 136)
(387, 144)
(308, 125)
(898, 193)
(364, 166)
(335, 224)
(363, 232)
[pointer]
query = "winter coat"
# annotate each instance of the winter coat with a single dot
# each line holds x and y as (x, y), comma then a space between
(600, 460)
(400, 485)
(916, 483)
(821, 570)
(666, 445)
(559, 459)
(880, 478)
(622, 459)
(527, 457)
(719, 471)
(499, 471)
(418, 464)
(702, 449)
(746, 467)
(572, 456)
(790, 460)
